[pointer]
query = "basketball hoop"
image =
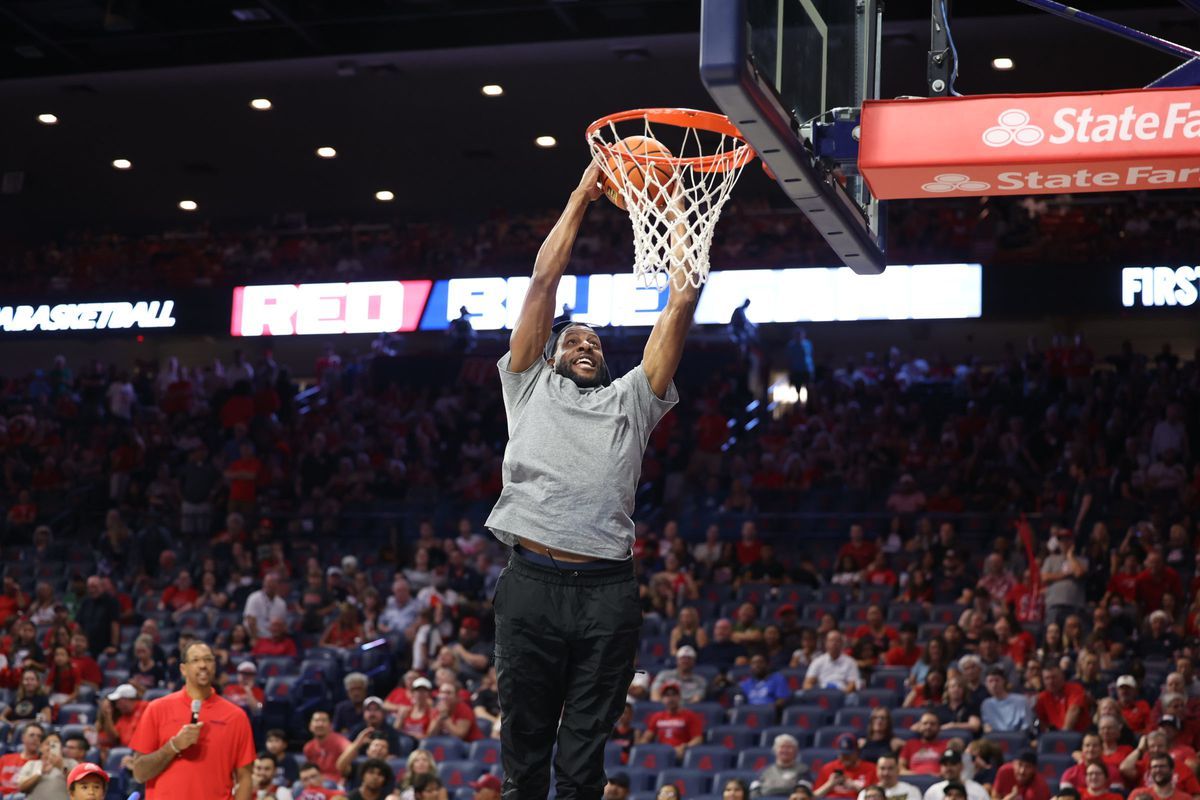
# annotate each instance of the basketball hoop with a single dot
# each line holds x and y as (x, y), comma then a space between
(673, 216)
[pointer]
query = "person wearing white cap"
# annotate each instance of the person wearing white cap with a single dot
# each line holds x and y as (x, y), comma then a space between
(120, 711)
(414, 720)
(693, 687)
(245, 691)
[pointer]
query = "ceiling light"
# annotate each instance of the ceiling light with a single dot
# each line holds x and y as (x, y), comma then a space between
(545, 141)
(1002, 64)
(188, 205)
(260, 104)
(493, 90)
(47, 119)
(326, 152)
(385, 196)
(122, 163)
(251, 14)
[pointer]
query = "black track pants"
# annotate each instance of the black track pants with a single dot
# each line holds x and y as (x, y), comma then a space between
(566, 641)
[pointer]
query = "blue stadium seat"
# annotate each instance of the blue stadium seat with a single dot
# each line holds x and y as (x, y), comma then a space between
(753, 716)
(714, 713)
(856, 612)
(689, 782)
(946, 614)
(446, 748)
(275, 666)
(652, 756)
(612, 755)
(1051, 767)
(906, 612)
(1011, 743)
(76, 713)
(855, 718)
(642, 780)
(1059, 742)
(709, 758)
(716, 593)
(905, 717)
(794, 593)
(835, 595)
(657, 648)
(889, 678)
(459, 773)
(829, 699)
(755, 758)
(877, 595)
(878, 698)
(809, 717)
(794, 678)
(643, 709)
(828, 736)
(114, 678)
(118, 775)
(757, 593)
(734, 737)
(486, 751)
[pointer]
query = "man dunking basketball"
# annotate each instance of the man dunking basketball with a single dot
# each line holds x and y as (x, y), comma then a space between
(567, 612)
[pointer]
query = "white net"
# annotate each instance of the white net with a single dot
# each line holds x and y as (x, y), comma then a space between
(674, 197)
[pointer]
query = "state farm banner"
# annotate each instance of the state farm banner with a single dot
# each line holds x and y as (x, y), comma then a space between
(1031, 143)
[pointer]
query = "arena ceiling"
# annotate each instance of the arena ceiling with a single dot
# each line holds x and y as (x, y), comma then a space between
(394, 85)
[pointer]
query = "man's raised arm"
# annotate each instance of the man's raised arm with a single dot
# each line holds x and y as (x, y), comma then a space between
(664, 348)
(537, 313)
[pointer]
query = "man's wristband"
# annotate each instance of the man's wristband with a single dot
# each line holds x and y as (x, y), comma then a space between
(171, 742)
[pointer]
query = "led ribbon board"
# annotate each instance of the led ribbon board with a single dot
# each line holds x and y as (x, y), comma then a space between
(1032, 144)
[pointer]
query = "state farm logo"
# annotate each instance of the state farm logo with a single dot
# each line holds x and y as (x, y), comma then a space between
(954, 182)
(1015, 128)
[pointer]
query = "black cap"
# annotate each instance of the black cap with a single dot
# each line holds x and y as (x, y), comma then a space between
(956, 786)
(619, 779)
(952, 756)
(1068, 792)
(1028, 756)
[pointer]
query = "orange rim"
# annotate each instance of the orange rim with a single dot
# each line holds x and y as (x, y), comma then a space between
(681, 118)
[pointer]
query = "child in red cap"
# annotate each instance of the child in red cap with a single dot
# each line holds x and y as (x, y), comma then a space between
(87, 782)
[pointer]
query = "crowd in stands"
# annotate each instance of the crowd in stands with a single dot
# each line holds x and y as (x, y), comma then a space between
(1060, 230)
(838, 601)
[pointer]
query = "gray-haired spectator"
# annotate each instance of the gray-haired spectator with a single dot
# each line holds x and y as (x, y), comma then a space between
(264, 605)
(971, 668)
(781, 777)
(348, 714)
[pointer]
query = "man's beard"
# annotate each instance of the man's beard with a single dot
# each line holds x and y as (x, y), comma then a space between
(563, 368)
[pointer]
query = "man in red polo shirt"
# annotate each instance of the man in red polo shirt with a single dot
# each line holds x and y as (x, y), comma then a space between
(923, 755)
(1162, 781)
(179, 759)
(1019, 780)
(11, 763)
(118, 728)
(325, 745)
(1134, 709)
(674, 725)
(1063, 705)
(847, 775)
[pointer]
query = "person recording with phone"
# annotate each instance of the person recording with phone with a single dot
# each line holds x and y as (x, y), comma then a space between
(45, 778)
(194, 744)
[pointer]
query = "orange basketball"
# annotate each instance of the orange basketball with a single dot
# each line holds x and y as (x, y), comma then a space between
(637, 173)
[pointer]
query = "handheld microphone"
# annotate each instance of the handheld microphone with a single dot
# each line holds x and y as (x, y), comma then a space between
(195, 711)
(135, 796)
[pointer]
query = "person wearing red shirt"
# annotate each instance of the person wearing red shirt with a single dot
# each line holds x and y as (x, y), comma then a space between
(89, 670)
(1135, 769)
(876, 630)
(120, 713)
(1026, 604)
(179, 759)
(1135, 710)
(847, 775)
(923, 755)
(244, 475)
(325, 746)
(861, 551)
(453, 717)
(1112, 752)
(311, 780)
(1062, 705)
(245, 692)
(346, 630)
(878, 573)
(748, 548)
(1016, 646)
(1019, 780)
(413, 717)
(1162, 782)
(1153, 582)
(905, 652)
(11, 763)
(674, 725)
(278, 643)
(1092, 755)
(1124, 581)
(181, 595)
(12, 600)
(1097, 783)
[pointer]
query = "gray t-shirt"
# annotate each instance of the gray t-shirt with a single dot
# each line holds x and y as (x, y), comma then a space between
(573, 459)
(1065, 592)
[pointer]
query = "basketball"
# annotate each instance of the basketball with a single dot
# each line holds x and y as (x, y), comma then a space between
(636, 172)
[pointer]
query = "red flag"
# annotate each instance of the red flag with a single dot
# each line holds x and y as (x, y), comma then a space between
(1035, 574)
